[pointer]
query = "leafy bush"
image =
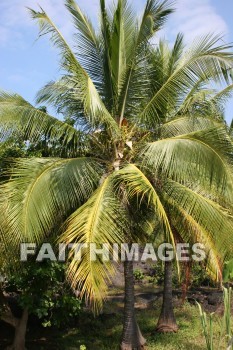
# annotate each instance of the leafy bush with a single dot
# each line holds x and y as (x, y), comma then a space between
(138, 275)
(42, 289)
(157, 273)
(198, 275)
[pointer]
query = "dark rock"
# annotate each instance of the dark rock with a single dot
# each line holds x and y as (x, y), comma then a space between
(214, 298)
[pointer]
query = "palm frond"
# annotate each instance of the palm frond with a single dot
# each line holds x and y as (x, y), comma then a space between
(203, 157)
(138, 185)
(102, 219)
(94, 108)
(16, 113)
(202, 220)
(106, 55)
(205, 59)
(192, 232)
(195, 102)
(153, 19)
(122, 24)
(187, 124)
(134, 83)
(222, 96)
(176, 53)
(87, 43)
(41, 193)
(231, 128)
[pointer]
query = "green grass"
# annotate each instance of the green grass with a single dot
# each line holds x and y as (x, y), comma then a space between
(103, 333)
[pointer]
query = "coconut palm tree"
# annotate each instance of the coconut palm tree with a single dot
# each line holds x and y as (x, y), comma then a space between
(198, 109)
(117, 163)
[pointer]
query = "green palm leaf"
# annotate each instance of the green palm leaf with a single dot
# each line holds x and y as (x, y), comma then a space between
(44, 192)
(203, 59)
(153, 19)
(87, 42)
(203, 157)
(200, 219)
(137, 184)
(187, 124)
(16, 113)
(136, 78)
(191, 231)
(102, 219)
(94, 108)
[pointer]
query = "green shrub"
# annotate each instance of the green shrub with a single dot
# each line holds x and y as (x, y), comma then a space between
(198, 275)
(42, 289)
(157, 273)
(138, 275)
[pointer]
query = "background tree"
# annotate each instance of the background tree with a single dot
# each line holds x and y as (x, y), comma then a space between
(199, 108)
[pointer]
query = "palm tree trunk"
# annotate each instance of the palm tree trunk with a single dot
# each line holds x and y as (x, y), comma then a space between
(132, 338)
(167, 322)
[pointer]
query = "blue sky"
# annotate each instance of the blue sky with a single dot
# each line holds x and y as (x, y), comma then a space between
(26, 64)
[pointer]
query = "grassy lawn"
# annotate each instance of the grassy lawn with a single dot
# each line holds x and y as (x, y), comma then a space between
(103, 332)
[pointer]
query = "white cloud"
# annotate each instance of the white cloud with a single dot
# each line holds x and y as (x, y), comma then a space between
(15, 18)
(191, 17)
(195, 18)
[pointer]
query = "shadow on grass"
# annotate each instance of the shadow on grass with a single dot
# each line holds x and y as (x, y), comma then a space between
(104, 331)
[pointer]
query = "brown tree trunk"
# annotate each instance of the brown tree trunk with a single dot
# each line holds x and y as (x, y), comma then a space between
(2, 298)
(5, 311)
(132, 338)
(20, 333)
(167, 322)
(186, 283)
(20, 325)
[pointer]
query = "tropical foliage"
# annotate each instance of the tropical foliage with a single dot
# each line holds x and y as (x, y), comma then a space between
(145, 148)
